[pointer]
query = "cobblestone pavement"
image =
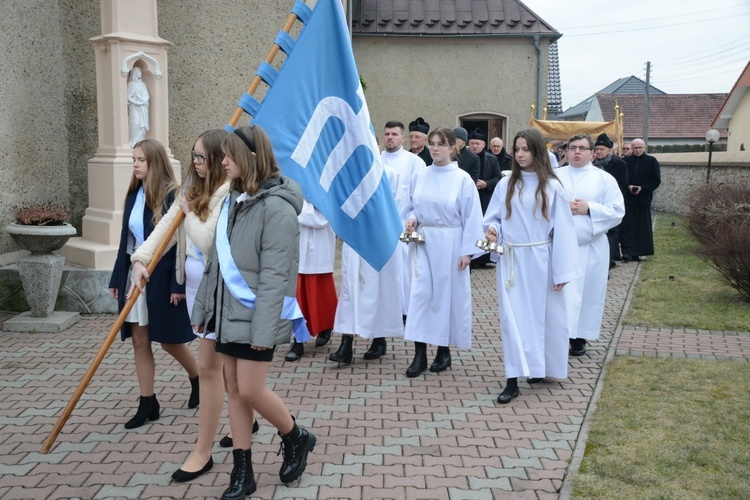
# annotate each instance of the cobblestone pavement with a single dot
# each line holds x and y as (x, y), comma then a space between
(380, 434)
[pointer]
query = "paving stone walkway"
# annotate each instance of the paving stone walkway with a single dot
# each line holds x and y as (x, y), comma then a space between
(380, 434)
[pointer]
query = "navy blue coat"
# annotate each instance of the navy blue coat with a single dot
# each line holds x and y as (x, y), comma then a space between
(167, 324)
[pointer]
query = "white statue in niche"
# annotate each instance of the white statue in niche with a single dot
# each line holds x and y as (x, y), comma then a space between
(137, 107)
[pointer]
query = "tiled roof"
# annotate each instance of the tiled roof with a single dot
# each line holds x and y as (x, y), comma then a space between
(627, 85)
(672, 116)
(741, 87)
(447, 17)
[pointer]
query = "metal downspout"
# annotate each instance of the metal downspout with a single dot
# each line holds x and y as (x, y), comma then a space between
(538, 110)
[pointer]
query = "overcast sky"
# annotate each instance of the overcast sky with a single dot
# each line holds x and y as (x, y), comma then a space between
(695, 47)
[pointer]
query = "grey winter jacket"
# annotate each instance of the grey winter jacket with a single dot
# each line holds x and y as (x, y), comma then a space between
(264, 237)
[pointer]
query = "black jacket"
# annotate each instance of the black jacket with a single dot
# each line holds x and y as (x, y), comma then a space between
(489, 172)
(469, 163)
(504, 159)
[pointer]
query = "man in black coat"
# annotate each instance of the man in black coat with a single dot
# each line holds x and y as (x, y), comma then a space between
(604, 159)
(498, 149)
(489, 168)
(489, 176)
(467, 161)
(644, 177)
(418, 130)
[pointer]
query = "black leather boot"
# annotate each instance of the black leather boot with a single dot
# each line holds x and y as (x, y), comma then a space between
(377, 348)
(296, 352)
(242, 481)
(419, 364)
(148, 409)
(195, 393)
(294, 447)
(442, 360)
(511, 391)
(345, 352)
(323, 338)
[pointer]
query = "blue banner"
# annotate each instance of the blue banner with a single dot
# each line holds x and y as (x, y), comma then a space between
(317, 118)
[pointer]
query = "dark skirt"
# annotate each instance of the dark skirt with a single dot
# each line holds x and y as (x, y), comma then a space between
(244, 351)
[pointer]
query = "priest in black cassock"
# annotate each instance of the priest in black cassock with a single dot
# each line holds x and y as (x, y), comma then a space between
(644, 177)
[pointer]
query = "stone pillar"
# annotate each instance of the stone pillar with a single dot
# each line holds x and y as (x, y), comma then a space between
(129, 38)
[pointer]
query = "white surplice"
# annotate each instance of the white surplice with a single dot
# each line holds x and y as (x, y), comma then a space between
(317, 243)
(406, 164)
(445, 204)
(585, 296)
(370, 302)
(539, 253)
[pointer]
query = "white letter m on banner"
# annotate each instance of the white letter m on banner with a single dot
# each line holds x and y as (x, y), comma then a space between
(356, 133)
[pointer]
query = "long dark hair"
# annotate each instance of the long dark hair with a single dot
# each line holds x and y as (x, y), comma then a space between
(159, 178)
(543, 168)
(197, 190)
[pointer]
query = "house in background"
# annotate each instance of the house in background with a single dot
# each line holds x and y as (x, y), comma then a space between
(675, 120)
(471, 63)
(628, 85)
(734, 114)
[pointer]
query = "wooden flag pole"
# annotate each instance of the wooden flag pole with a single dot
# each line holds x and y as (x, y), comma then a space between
(110, 338)
(257, 79)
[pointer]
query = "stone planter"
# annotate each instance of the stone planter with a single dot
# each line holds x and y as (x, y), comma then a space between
(40, 239)
(41, 271)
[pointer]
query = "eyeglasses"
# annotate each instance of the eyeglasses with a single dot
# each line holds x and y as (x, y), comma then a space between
(437, 145)
(198, 158)
(638, 147)
(579, 148)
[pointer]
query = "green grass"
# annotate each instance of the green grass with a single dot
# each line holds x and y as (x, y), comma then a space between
(668, 428)
(673, 428)
(696, 297)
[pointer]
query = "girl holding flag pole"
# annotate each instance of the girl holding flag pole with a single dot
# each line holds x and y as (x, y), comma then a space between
(201, 198)
(247, 297)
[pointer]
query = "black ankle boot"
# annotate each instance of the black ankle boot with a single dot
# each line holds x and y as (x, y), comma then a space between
(419, 364)
(323, 338)
(511, 391)
(195, 393)
(294, 447)
(377, 348)
(242, 481)
(345, 352)
(296, 352)
(228, 442)
(442, 360)
(148, 409)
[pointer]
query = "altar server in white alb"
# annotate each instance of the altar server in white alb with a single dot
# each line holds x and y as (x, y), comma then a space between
(529, 214)
(597, 206)
(406, 164)
(444, 208)
(370, 302)
(316, 289)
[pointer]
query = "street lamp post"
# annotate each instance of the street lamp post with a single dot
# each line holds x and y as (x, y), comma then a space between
(711, 137)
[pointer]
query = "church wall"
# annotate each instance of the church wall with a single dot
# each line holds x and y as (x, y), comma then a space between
(441, 79)
(35, 130)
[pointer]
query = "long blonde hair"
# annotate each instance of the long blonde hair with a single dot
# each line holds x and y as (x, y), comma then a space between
(160, 179)
(197, 190)
(542, 166)
(255, 158)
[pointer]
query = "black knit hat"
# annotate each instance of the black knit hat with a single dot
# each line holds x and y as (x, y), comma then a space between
(603, 140)
(419, 125)
(478, 135)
